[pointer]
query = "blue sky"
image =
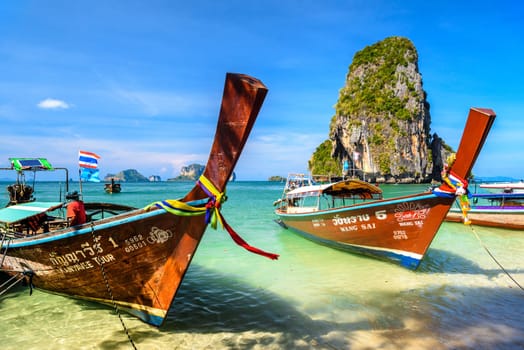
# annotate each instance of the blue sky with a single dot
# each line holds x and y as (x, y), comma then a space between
(140, 83)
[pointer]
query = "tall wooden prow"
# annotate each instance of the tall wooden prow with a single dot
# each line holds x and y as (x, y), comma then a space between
(476, 130)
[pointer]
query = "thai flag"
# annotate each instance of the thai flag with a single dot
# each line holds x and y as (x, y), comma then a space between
(88, 159)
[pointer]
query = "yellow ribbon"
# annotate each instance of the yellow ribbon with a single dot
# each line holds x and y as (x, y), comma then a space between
(217, 198)
(177, 207)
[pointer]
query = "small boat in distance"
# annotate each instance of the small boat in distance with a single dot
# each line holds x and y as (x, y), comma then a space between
(352, 215)
(503, 210)
(134, 261)
(112, 187)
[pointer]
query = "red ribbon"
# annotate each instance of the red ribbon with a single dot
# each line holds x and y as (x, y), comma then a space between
(238, 240)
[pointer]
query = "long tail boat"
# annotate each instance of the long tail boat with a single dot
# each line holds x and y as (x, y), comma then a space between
(112, 187)
(136, 260)
(502, 210)
(352, 215)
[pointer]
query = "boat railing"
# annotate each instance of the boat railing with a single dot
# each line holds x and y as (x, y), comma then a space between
(13, 231)
(297, 180)
(100, 211)
(502, 200)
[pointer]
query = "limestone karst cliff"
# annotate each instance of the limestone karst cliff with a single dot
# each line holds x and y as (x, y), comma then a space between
(381, 126)
(190, 172)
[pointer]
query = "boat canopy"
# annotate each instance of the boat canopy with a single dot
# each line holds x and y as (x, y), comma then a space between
(346, 188)
(19, 212)
(306, 191)
(353, 187)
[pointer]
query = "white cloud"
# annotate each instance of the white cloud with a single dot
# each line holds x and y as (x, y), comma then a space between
(51, 103)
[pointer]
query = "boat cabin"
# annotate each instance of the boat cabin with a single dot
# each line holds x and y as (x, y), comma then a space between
(312, 197)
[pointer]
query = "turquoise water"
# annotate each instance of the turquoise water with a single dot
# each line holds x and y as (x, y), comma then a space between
(313, 297)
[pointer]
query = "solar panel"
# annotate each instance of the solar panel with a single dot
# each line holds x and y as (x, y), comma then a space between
(30, 163)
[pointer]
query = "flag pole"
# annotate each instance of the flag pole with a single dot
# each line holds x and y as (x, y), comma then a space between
(80, 180)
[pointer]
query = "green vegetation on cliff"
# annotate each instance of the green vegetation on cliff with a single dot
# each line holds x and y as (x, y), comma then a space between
(373, 91)
(322, 163)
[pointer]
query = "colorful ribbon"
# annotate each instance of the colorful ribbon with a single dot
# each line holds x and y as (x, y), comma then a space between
(211, 211)
(455, 186)
(215, 201)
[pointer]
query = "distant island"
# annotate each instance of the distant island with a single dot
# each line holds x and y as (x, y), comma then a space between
(129, 175)
(193, 172)
(276, 178)
(187, 173)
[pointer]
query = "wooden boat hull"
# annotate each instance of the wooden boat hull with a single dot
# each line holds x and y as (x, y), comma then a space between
(507, 218)
(137, 260)
(399, 230)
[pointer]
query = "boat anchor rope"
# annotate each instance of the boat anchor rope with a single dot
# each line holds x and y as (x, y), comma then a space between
(109, 291)
(15, 279)
(20, 276)
(495, 260)
(29, 274)
(212, 212)
(6, 286)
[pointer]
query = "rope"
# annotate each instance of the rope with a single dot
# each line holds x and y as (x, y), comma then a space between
(110, 291)
(494, 259)
(30, 282)
(213, 216)
(20, 274)
(20, 277)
